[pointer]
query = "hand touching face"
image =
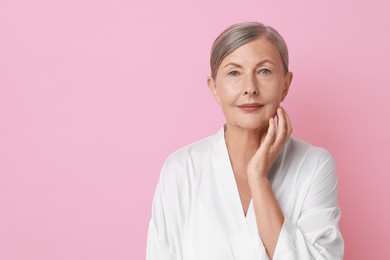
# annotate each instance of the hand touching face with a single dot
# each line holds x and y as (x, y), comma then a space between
(271, 144)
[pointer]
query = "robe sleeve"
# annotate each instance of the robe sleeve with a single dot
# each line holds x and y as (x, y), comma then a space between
(156, 248)
(164, 240)
(316, 234)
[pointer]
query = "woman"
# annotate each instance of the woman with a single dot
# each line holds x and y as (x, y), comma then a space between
(250, 191)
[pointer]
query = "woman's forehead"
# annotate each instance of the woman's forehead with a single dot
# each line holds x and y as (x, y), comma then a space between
(253, 52)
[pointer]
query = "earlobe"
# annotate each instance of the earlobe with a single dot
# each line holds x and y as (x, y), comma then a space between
(213, 88)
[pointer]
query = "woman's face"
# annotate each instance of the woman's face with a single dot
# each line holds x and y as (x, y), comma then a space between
(250, 84)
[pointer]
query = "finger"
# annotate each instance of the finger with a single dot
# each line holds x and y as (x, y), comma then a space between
(270, 136)
(281, 132)
(263, 137)
(288, 122)
(266, 140)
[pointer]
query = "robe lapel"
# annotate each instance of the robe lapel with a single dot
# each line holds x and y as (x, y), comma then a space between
(243, 239)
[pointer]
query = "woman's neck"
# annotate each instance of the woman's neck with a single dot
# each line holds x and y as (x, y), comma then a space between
(242, 144)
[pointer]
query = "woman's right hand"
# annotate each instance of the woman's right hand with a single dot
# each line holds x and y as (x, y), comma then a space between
(271, 144)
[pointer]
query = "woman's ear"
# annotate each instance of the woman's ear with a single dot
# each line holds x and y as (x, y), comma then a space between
(287, 83)
(213, 88)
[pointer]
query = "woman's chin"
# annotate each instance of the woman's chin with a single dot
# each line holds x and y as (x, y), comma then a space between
(252, 125)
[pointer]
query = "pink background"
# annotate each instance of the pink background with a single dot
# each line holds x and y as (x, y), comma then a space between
(94, 95)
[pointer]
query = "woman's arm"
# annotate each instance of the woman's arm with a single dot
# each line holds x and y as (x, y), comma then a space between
(269, 217)
(315, 235)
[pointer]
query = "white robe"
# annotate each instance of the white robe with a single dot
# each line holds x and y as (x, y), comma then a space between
(197, 212)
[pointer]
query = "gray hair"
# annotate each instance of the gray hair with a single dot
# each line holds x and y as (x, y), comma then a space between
(239, 34)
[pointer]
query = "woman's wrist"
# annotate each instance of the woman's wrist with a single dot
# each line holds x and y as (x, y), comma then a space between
(257, 181)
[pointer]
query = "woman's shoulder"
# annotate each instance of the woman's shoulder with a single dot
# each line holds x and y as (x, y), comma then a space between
(191, 151)
(300, 148)
(305, 155)
(188, 159)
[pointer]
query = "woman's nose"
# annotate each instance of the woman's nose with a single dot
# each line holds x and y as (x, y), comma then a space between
(251, 92)
(251, 87)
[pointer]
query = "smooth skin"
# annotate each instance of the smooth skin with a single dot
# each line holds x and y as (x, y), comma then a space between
(253, 73)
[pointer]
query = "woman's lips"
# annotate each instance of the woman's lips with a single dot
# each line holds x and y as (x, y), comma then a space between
(250, 107)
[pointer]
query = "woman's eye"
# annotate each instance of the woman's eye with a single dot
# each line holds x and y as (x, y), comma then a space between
(233, 73)
(264, 71)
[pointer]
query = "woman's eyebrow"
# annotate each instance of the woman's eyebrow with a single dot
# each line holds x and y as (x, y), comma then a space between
(233, 64)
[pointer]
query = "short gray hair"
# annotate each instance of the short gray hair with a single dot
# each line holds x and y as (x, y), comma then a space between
(239, 34)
